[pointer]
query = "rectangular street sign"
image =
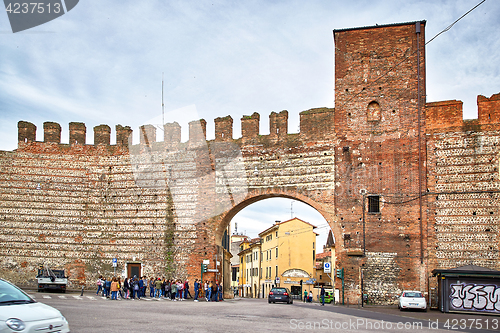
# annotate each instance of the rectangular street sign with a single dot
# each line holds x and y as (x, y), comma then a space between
(327, 267)
(206, 262)
(213, 270)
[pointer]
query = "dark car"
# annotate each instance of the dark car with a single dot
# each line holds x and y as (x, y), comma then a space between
(280, 295)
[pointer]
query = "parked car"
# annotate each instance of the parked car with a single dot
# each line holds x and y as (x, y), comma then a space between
(410, 299)
(20, 313)
(51, 279)
(329, 297)
(280, 295)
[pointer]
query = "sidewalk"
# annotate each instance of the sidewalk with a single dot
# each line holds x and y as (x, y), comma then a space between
(431, 314)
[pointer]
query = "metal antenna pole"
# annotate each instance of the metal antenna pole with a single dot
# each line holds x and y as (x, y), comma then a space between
(162, 105)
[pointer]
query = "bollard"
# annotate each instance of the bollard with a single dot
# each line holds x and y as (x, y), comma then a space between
(82, 290)
(347, 301)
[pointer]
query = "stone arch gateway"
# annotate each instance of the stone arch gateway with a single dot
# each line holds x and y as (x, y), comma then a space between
(225, 219)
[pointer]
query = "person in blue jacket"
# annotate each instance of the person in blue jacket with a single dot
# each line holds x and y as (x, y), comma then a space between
(141, 287)
(196, 289)
(219, 290)
(107, 288)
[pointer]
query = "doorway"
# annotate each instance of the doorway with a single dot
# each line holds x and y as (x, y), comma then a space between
(133, 270)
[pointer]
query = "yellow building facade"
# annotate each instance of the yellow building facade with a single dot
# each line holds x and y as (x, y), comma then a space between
(249, 271)
(328, 256)
(236, 240)
(288, 256)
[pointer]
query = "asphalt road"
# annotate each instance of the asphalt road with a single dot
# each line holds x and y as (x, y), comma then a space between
(91, 313)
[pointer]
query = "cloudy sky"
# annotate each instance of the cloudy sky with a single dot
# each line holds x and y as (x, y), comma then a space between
(102, 62)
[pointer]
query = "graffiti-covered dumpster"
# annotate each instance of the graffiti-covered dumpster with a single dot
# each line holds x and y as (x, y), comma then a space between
(468, 289)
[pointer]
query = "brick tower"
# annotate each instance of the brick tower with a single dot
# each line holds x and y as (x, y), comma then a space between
(380, 174)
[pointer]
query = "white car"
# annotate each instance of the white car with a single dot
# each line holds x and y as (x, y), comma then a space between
(20, 313)
(410, 299)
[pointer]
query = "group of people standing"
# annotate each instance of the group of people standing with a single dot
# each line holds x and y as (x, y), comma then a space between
(175, 290)
(109, 288)
(213, 291)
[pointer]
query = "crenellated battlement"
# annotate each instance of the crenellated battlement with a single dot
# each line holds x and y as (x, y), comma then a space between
(488, 109)
(315, 124)
(77, 133)
(102, 134)
(51, 132)
(250, 127)
(278, 124)
(26, 132)
(224, 128)
(123, 136)
(172, 133)
(449, 114)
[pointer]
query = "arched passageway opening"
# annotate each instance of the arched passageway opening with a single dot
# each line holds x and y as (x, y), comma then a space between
(277, 241)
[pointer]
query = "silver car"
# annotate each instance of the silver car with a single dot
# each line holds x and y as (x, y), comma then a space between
(20, 313)
(411, 299)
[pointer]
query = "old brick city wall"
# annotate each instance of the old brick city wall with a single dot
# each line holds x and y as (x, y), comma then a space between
(79, 206)
(165, 205)
(463, 184)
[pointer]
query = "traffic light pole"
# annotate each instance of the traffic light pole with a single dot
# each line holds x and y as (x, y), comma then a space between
(203, 270)
(340, 275)
(301, 291)
(343, 286)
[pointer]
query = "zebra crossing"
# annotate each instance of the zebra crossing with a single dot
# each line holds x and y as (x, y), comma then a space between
(79, 297)
(76, 297)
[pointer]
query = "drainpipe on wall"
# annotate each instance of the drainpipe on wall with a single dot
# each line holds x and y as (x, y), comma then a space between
(364, 237)
(417, 30)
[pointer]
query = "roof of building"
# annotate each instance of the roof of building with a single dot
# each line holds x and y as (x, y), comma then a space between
(277, 224)
(238, 243)
(239, 236)
(242, 252)
(378, 26)
(467, 270)
(330, 242)
(323, 255)
(252, 242)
